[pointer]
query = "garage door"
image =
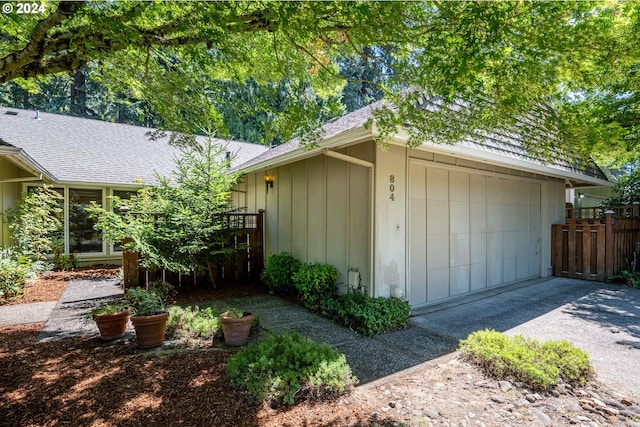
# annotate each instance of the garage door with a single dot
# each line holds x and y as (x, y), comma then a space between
(469, 232)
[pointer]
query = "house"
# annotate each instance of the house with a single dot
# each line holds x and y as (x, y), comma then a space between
(85, 160)
(429, 224)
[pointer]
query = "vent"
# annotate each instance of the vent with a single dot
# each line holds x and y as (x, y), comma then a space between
(11, 113)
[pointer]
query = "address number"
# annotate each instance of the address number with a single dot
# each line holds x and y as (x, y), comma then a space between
(392, 188)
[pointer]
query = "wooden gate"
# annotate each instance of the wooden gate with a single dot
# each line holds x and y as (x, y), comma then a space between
(595, 248)
(247, 236)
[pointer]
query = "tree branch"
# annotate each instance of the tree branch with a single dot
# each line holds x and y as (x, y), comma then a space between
(36, 45)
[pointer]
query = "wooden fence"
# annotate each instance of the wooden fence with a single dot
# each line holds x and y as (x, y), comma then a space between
(247, 236)
(596, 247)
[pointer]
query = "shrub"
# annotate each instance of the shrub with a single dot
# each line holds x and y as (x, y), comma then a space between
(165, 289)
(628, 278)
(278, 273)
(366, 315)
(15, 270)
(191, 322)
(536, 365)
(316, 283)
(288, 368)
(36, 223)
(63, 262)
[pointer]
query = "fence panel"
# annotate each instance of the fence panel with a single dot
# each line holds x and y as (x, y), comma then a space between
(595, 248)
(247, 237)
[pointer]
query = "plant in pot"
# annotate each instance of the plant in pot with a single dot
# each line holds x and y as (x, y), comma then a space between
(236, 325)
(111, 319)
(149, 316)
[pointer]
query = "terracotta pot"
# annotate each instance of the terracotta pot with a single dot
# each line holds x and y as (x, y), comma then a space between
(236, 329)
(112, 326)
(150, 329)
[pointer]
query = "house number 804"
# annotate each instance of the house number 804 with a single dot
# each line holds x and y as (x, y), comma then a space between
(392, 187)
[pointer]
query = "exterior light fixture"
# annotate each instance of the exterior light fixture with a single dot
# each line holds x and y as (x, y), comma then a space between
(268, 179)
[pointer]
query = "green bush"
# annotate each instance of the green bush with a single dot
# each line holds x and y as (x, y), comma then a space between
(278, 273)
(191, 322)
(316, 282)
(534, 364)
(366, 315)
(288, 368)
(629, 278)
(15, 270)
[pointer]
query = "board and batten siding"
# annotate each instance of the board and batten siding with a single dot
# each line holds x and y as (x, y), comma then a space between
(318, 210)
(9, 193)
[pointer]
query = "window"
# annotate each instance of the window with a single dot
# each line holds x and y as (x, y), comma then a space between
(82, 236)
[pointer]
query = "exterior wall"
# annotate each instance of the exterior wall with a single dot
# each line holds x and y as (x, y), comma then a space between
(390, 220)
(9, 193)
(488, 225)
(553, 209)
(318, 210)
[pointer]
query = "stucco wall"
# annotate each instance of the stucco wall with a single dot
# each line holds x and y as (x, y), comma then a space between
(318, 210)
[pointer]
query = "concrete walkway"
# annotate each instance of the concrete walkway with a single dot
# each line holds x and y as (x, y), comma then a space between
(35, 312)
(70, 317)
(602, 319)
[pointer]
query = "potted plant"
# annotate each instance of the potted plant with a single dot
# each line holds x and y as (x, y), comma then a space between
(236, 325)
(149, 316)
(111, 319)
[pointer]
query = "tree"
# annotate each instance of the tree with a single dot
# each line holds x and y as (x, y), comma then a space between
(627, 190)
(36, 223)
(478, 65)
(178, 224)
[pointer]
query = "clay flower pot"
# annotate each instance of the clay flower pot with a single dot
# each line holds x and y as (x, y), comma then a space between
(112, 326)
(150, 329)
(236, 329)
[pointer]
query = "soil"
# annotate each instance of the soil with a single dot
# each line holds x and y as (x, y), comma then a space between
(91, 383)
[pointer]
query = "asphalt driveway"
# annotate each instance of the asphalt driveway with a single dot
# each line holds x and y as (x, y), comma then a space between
(602, 319)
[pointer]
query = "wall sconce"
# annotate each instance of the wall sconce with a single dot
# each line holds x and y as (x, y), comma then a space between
(268, 180)
(581, 195)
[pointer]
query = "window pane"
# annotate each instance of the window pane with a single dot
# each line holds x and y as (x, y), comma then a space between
(124, 195)
(82, 237)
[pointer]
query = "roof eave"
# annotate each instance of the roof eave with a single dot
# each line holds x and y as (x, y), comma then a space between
(470, 153)
(19, 157)
(350, 137)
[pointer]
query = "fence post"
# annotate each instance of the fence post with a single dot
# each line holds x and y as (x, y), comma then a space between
(635, 209)
(129, 267)
(260, 235)
(608, 244)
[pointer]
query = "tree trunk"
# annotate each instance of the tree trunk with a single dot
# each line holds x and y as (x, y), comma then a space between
(213, 274)
(78, 95)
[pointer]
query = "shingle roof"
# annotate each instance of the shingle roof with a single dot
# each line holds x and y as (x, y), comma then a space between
(74, 149)
(353, 120)
(504, 144)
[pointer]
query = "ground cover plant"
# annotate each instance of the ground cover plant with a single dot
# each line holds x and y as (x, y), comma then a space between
(534, 364)
(288, 368)
(366, 315)
(192, 323)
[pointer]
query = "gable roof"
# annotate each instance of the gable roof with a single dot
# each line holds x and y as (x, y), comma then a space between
(72, 149)
(504, 148)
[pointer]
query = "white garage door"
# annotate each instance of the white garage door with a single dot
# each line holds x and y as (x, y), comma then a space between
(469, 232)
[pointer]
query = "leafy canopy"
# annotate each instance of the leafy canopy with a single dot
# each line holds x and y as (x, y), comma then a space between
(504, 59)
